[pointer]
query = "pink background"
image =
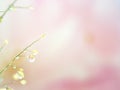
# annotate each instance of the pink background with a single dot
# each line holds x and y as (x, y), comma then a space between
(82, 42)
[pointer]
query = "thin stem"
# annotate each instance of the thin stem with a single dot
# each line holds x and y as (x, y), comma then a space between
(21, 7)
(19, 54)
(3, 45)
(9, 7)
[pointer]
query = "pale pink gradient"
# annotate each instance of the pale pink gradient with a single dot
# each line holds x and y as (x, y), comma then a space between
(81, 49)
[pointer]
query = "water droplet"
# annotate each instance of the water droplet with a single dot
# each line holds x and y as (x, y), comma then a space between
(18, 75)
(31, 58)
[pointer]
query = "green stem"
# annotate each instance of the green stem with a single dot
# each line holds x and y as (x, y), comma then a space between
(9, 7)
(19, 54)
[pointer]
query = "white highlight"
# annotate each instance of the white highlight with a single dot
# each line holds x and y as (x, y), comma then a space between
(63, 35)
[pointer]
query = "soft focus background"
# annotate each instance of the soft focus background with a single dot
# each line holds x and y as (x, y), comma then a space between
(81, 50)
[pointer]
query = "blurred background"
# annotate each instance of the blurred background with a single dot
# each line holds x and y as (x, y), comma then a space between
(82, 45)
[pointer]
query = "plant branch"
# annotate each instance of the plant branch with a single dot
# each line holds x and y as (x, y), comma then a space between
(9, 7)
(19, 54)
